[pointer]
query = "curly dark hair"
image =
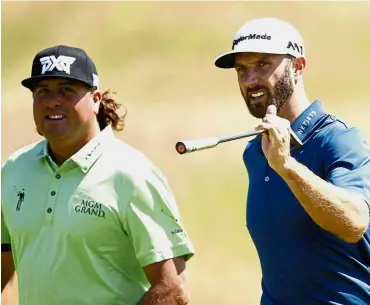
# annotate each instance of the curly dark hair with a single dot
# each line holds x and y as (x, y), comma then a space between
(108, 112)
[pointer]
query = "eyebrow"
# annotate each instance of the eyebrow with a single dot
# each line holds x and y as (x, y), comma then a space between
(263, 57)
(63, 83)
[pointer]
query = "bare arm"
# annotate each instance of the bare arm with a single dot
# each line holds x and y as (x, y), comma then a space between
(7, 268)
(335, 209)
(9, 283)
(167, 279)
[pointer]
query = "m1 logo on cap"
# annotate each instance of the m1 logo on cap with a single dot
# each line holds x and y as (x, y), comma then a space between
(250, 36)
(295, 47)
(62, 63)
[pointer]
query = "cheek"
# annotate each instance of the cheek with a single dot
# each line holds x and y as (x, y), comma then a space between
(273, 80)
(84, 110)
(242, 90)
(241, 85)
(36, 108)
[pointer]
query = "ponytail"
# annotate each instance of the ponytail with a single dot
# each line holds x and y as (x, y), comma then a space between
(108, 114)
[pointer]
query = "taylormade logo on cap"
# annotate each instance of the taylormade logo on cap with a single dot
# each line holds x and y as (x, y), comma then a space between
(263, 35)
(250, 36)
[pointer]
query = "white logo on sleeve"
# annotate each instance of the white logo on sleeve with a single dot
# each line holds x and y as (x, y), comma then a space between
(62, 63)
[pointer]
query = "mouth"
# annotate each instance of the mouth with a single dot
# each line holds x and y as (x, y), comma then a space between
(55, 117)
(257, 96)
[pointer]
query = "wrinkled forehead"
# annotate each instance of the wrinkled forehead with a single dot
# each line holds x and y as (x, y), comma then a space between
(57, 82)
(244, 58)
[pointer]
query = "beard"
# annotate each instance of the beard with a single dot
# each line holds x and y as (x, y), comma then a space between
(279, 95)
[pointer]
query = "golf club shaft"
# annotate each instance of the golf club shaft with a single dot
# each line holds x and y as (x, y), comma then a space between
(240, 136)
(195, 145)
(200, 144)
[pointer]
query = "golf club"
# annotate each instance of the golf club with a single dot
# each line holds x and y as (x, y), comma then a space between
(200, 144)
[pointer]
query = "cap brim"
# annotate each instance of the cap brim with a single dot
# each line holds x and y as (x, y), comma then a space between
(31, 82)
(226, 60)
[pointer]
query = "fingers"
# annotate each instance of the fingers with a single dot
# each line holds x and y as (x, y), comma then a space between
(271, 109)
(272, 130)
(276, 141)
(278, 129)
(279, 123)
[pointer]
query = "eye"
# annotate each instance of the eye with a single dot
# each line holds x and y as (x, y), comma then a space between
(41, 91)
(263, 63)
(239, 68)
(66, 89)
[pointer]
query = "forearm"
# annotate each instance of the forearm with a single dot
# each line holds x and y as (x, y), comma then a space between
(7, 268)
(335, 209)
(9, 294)
(6, 279)
(161, 294)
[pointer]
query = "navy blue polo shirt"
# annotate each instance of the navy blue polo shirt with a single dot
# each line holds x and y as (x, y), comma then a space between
(303, 264)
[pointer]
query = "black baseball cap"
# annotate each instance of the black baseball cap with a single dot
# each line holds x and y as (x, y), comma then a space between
(65, 62)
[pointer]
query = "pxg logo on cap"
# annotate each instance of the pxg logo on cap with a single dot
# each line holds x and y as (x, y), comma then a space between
(263, 35)
(63, 62)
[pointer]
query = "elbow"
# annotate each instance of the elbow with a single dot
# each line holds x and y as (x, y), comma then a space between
(176, 294)
(353, 237)
(357, 231)
(357, 225)
(182, 296)
(182, 300)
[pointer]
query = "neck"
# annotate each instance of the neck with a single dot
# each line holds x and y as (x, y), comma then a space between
(298, 103)
(62, 150)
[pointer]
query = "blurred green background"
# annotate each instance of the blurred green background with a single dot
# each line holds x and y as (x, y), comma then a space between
(158, 56)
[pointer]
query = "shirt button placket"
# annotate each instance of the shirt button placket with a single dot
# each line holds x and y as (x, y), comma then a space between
(50, 207)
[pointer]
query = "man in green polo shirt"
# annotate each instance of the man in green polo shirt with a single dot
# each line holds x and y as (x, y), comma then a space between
(86, 218)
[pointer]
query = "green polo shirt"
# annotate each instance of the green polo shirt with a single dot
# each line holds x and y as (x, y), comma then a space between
(81, 233)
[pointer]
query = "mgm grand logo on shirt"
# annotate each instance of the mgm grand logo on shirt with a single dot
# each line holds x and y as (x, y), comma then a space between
(90, 207)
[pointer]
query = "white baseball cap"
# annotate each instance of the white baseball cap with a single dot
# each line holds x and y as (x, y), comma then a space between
(264, 35)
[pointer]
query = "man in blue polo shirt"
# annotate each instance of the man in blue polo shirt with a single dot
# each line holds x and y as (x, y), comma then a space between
(308, 205)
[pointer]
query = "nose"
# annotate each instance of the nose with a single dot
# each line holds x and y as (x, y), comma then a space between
(250, 78)
(52, 101)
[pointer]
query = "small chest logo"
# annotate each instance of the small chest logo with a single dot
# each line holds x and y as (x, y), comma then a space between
(90, 207)
(170, 216)
(20, 195)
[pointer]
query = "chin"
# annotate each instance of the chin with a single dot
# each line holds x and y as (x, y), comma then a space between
(53, 136)
(257, 112)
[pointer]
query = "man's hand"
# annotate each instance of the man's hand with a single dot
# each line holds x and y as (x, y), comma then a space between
(342, 212)
(276, 141)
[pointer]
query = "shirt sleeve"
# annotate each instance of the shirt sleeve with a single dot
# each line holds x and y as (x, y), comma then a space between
(347, 161)
(153, 223)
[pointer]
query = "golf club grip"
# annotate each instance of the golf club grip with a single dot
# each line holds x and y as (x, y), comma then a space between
(195, 145)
